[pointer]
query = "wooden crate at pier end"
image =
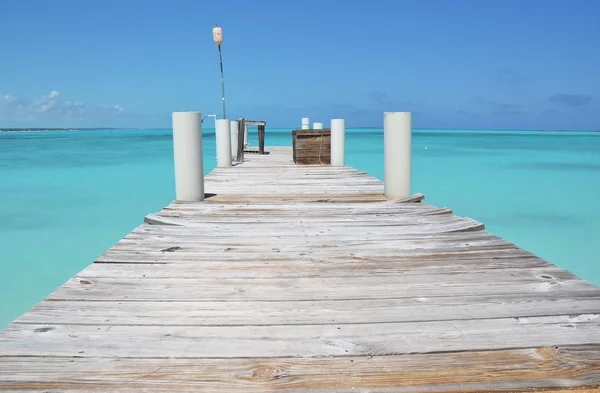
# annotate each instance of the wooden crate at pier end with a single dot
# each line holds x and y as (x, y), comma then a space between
(312, 147)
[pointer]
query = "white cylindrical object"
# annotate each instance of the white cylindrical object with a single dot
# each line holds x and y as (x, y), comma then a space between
(317, 126)
(187, 151)
(305, 123)
(218, 35)
(338, 142)
(234, 137)
(223, 140)
(245, 134)
(397, 139)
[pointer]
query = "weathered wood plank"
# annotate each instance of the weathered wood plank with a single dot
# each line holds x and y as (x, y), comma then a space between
(306, 267)
(419, 224)
(332, 207)
(291, 231)
(417, 258)
(317, 311)
(309, 288)
(323, 244)
(272, 195)
(504, 370)
(301, 340)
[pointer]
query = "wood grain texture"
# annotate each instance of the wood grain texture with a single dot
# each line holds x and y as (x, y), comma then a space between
(317, 312)
(310, 288)
(538, 369)
(261, 138)
(311, 147)
(298, 340)
(307, 278)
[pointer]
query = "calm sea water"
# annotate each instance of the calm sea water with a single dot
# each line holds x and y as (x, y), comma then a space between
(65, 197)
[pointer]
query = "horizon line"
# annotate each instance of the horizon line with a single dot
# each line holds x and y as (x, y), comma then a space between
(24, 129)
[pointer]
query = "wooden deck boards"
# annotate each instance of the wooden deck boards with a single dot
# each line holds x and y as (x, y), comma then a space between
(306, 278)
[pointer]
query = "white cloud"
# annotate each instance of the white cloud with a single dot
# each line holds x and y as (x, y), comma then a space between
(50, 110)
(7, 98)
(45, 103)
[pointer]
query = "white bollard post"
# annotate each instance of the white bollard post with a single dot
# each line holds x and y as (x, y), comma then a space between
(397, 140)
(317, 126)
(338, 142)
(305, 123)
(223, 140)
(187, 151)
(234, 137)
(245, 134)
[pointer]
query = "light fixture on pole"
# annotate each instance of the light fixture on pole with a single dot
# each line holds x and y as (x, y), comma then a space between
(218, 39)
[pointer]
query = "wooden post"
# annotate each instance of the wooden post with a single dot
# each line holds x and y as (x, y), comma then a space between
(187, 152)
(234, 125)
(397, 146)
(240, 146)
(261, 139)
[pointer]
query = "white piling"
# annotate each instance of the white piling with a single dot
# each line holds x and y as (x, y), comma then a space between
(305, 123)
(223, 140)
(397, 139)
(234, 137)
(245, 134)
(187, 151)
(338, 142)
(317, 126)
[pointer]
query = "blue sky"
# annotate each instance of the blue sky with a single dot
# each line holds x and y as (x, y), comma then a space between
(526, 64)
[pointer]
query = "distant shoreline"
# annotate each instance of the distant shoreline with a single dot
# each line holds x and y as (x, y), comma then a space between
(65, 129)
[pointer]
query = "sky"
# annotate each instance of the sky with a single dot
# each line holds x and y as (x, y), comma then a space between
(455, 64)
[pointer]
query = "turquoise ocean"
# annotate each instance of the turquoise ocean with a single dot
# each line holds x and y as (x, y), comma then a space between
(66, 197)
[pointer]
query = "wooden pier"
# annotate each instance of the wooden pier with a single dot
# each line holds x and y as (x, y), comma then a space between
(306, 278)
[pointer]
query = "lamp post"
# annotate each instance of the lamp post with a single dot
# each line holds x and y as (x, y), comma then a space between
(218, 39)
